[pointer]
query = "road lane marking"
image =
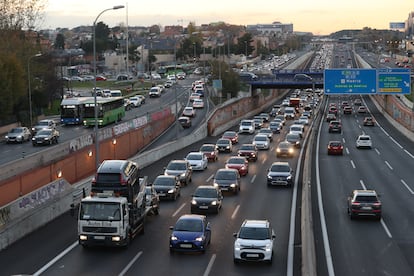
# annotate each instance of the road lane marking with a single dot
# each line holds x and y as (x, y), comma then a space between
(362, 184)
(409, 153)
(252, 180)
(386, 229)
(408, 187)
(55, 259)
(235, 212)
(210, 177)
(388, 164)
(347, 151)
(178, 210)
(125, 270)
(353, 165)
(378, 152)
(210, 265)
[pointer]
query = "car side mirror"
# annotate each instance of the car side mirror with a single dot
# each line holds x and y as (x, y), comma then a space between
(235, 235)
(171, 227)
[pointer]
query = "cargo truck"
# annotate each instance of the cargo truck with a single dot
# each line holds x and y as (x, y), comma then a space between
(294, 102)
(115, 211)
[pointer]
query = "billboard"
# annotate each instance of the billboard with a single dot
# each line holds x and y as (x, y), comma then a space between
(397, 25)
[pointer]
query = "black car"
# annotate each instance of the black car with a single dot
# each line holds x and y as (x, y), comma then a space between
(152, 199)
(167, 186)
(249, 151)
(206, 198)
(46, 137)
(335, 126)
(364, 203)
(280, 173)
(224, 145)
(227, 180)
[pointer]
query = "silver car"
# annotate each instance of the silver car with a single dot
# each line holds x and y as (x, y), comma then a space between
(18, 135)
(261, 141)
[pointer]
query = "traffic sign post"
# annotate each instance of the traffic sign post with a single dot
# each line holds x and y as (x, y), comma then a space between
(350, 81)
(394, 81)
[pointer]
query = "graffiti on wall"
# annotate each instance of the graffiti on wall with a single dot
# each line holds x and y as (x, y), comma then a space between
(42, 195)
(81, 142)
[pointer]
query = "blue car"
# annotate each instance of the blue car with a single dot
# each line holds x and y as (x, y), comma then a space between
(191, 233)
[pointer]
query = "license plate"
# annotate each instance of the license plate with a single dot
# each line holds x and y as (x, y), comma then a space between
(252, 255)
(203, 207)
(161, 194)
(224, 188)
(99, 238)
(184, 245)
(366, 208)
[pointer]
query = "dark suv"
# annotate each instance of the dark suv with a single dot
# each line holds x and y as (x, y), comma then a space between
(280, 173)
(227, 180)
(335, 126)
(364, 203)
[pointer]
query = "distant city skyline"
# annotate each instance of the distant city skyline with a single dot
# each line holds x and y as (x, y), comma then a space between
(321, 17)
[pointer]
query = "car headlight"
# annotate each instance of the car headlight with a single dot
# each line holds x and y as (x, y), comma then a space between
(182, 175)
(233, 185)
(269, 247)
(227, 147)
(7, 137)
(193, 202)
(269, 176)
(19, 137)
(215, 185)
(290, 150)
(173, 238)
(277, 150)
(236, 245)
(214, 203)
(171, 191)
(289, 177)
(199, 239)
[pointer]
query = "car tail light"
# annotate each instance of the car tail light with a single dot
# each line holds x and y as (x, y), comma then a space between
(356, 203)
(122, 180)
(93, 181)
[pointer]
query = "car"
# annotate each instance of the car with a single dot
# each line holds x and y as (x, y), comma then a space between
(135, 101)
(239, 163)
(77, 78)
(155, 76)
(281, 118)
(261, 141)
(369, 121)
(296, 128)
(197, 160)
(347, 109)
(232, 136)
(152, 200)
(258, 122)
(155, 91)
(224, 145)
(180, 168)
(285, 148)
(364, 203)
(254, 242)
(227, 180)
(210, 151)
(364, 141)
(265, 117)
(294, 139)
(304, 120)
(335, 126)
(127, 104)
(335, 148)
(307, 114)
(46, 137)
(330, 117)
(191, 233)
(344, 103)
(267, 131)
(275, 126)
(198, 103)
(280, 173)
(362, 109)
(162, 87)
(184, 121)
(333, 110)
(189, 111)
(357, 102)
(194, 96)
(249, 151)
(247, 126)
(167, 186)
(274, 111)
(142, 98)
(18, 135)
(206, 198)
(101, 78)
(42, 124)
(169, 83)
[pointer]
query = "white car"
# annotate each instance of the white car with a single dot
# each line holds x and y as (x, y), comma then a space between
(304, 120)
(197, 160)
(261, 141)
(189, 111)
(194, 96)
(247, 126)
(364, 141)
(254, 242)
(135, 101)
(198, 103)
(299, 129)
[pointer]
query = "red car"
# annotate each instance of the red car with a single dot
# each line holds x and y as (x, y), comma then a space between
(232, 136)
(210, 151)
(100, 78)
(249, 151)
(335, 148)
(239, 163)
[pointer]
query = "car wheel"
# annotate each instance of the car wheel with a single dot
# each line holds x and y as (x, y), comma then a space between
(236, 261)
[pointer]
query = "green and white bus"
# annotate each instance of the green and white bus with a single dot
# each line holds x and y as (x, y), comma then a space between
(110, 110)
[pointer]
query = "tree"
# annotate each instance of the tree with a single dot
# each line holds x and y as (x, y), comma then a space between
(244, 45)
(59, 42)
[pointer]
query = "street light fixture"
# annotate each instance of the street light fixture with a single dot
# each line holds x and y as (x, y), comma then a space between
(94, 83)
(30, 88)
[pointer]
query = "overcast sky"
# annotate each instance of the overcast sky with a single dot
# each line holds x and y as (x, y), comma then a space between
(316, 16)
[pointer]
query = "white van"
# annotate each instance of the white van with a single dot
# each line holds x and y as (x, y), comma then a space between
(116, 93)
(155, 91)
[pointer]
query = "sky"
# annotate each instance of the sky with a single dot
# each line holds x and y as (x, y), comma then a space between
(321, 17)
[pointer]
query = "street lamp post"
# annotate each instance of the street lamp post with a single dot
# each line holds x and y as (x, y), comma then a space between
(94, 84)
(30, 88)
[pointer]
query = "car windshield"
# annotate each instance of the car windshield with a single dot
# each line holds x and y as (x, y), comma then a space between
(260, 138)
(363, 138)
(164, 181)
(246, 124)
(175, 166)
(190, 225)
(366, 198)
(247, 147)
(16, 130)
(225, 175)
(194, 157)
(236, 161)
(223, 142)
(254, 233)
(45, 132)
(280, 168)
(292, 137)
(207, 148)
(209, 193)
(229, 134)
(43, 123)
